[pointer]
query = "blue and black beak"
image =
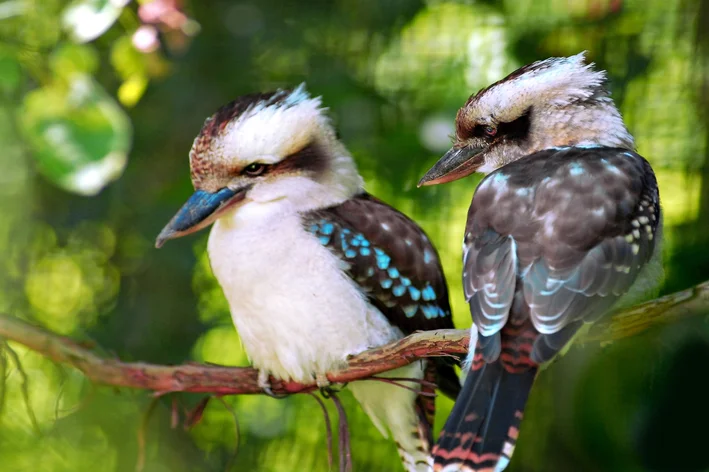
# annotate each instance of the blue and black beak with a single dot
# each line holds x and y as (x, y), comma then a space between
(201, 210)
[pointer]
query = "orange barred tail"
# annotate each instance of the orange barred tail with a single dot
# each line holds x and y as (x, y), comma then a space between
(481, 431)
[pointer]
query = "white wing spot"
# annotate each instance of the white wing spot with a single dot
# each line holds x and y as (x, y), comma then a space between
(635, 248)
(385, 227)
(576, 169)
(643, 220)
(635, 223)
(549, 221)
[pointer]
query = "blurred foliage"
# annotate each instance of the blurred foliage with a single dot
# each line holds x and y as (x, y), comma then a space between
(92, 90)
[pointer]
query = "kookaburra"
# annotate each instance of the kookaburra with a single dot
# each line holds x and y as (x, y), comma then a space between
(565, 226)
(313, 268)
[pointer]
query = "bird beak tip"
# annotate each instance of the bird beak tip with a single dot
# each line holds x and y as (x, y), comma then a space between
(422, 183)
(161, 239)
(165, 235)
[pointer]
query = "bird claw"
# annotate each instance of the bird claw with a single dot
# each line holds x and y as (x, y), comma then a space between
(265, 385)
(322, 381)
(329, 390)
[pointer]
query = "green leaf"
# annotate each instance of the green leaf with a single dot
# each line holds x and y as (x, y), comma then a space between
(126, 59)
(10, 73)
(69, 59)
(79, 134)
(86, 20)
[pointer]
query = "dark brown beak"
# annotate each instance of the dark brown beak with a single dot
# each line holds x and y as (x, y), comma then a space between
(455, 164)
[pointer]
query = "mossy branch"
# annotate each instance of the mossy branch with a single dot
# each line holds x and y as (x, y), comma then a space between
(219, 380)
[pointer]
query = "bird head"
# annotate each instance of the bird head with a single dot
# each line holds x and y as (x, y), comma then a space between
(262, 155)
(556, 102)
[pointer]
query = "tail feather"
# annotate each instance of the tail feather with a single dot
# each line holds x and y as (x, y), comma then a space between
(481, 431)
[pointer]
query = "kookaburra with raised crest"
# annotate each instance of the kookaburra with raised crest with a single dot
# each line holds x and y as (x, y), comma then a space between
(565, 226)
(313, 268)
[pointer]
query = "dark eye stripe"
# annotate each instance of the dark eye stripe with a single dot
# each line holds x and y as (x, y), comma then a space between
(310, 159)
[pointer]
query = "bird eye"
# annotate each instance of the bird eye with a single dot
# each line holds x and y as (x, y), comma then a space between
(255, 169)
(490, 130)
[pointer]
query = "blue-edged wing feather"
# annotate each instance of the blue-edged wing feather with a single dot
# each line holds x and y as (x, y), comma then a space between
(390, 258)
(394, 263)
(553, 240)
(569, 230)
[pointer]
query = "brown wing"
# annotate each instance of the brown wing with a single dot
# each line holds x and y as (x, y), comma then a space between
(390, 258)
(569, 230)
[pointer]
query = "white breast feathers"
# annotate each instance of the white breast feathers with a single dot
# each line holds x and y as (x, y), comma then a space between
(296, 311)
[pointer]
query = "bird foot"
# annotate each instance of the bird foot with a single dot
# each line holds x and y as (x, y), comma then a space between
(322, 381)
(265, 384)
(329, 390)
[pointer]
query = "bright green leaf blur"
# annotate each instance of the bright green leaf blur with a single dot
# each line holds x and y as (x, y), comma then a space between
(96, 123)
(79, 135)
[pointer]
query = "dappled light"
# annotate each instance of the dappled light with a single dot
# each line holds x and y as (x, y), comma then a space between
(99, 104)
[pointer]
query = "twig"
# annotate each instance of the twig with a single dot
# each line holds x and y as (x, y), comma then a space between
(662, 311)
(217, 380)
(422, 382)
(401, 385)
(343, 434)
(25, 388)
(3, 376)
(328, 428)
(237, 434)
(142, 434)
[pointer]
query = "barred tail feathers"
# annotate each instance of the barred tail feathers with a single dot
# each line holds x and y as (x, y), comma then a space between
(481, 431)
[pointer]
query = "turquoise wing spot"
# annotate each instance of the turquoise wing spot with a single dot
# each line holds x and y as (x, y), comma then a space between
(414, 293)
(576, 169)
(343, 241)
(428, 293)
(382, 259)
(410, 310)
(327, 228)
(427, 256)
(430, 311)
(355, 244)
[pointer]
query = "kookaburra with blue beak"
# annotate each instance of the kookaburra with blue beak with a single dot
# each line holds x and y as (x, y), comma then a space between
(313, 268)
(565, 227)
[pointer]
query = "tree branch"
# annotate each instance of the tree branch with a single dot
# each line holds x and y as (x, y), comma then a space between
(243, 380)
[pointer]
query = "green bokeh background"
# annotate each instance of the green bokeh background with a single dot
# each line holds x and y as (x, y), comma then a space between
(76, 249)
